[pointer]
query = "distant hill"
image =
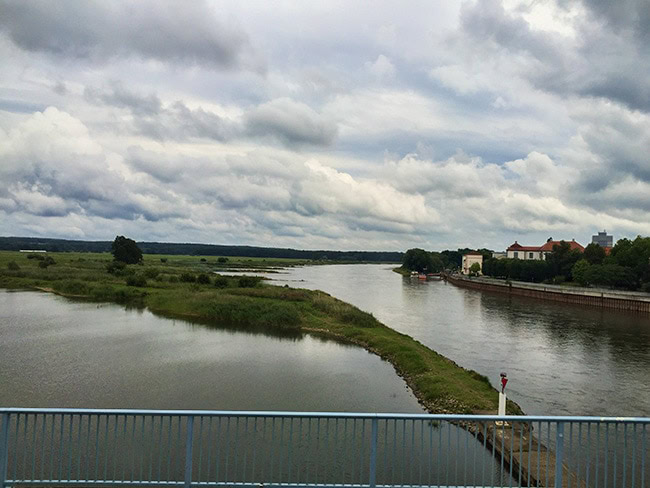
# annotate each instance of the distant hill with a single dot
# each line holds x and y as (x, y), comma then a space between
(65, 245)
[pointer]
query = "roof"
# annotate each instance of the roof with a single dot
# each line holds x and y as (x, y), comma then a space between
(473, 253)
(548, 247)
(518, 247)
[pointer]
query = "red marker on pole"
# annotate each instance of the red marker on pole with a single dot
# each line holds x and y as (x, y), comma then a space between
(502, 395)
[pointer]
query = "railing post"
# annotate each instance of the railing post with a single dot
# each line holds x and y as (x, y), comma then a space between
(373, 454)
(559, 454)
(4, 448)
(188, 451)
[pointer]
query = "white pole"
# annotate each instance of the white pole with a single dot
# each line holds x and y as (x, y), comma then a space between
(502, 404)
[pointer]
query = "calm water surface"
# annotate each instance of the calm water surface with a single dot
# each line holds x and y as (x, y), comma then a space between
(560, 359)
(59, 353)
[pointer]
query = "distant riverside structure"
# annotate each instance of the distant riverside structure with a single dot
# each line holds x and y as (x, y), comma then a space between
(469, 259)
(499, 254)
(32, 250)
(517, 251)
(603, 240)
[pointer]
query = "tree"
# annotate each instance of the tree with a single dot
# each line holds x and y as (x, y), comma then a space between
(451, 259)
(611, 275)
(419, 260)
(126, 250)
(580, 271)
(562, 259)
(594, 254)
(474, 269)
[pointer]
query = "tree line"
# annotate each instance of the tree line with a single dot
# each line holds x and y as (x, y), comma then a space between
(66, 245)
(434, 262)
(627, 266)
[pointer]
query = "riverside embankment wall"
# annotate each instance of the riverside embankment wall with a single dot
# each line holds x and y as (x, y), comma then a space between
(580, 296)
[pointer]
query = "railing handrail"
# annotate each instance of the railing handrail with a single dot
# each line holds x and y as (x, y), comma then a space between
(298, 414)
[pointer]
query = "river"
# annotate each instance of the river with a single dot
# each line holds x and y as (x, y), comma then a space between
(560, 359)
(56, 352)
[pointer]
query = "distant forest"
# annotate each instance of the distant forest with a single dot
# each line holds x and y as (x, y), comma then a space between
(64, 245)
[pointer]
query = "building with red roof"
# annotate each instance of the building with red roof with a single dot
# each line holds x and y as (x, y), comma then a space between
(517, 251)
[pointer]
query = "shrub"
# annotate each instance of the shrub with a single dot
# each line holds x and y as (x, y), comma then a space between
(203, 279)
(611, 275)
(163, 260)
(249, 281)
(580, 271)
(255, 313)
(203, 260)
(72, 287)
(558, 280)
(221, 282)
(151, 273)
(116, 267)
(222, 260)
(188, 278)
(13, 266)
(40, 257)
(47, 261)
(358, 317)
(136, 280)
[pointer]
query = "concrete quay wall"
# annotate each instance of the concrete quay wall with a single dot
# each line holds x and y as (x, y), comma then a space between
(581, 296)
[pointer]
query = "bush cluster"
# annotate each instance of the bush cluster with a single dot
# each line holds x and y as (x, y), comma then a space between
(116, 268)
(45, 262)
(187, 278)
(248, 281)
(203, 279)
(221, 282)
(136, 280)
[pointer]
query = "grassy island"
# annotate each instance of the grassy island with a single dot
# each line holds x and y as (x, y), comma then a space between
(402, 270)
(190, 287)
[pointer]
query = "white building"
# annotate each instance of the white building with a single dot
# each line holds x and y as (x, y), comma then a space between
(469, 259)
(517, 251)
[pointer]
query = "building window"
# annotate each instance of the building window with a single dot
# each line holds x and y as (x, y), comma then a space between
(516, 254)
(530, 255)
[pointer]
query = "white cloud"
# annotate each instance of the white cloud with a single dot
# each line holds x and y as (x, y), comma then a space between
(381, 68)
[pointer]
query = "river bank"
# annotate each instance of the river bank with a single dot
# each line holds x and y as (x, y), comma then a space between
(440, 385)
(612, 299)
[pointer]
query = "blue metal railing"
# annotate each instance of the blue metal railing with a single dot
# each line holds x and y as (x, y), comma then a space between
(293, 449)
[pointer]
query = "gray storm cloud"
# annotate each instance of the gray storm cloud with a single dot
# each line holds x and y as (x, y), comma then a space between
(291, 122)
(168, 31)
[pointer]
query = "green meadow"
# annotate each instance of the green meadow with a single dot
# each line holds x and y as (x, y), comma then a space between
(191, 287)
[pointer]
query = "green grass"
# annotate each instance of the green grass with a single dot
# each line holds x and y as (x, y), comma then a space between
(402, 270)
(441, 385)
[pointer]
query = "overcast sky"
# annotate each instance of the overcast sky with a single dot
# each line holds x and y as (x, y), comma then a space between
(338, 125)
